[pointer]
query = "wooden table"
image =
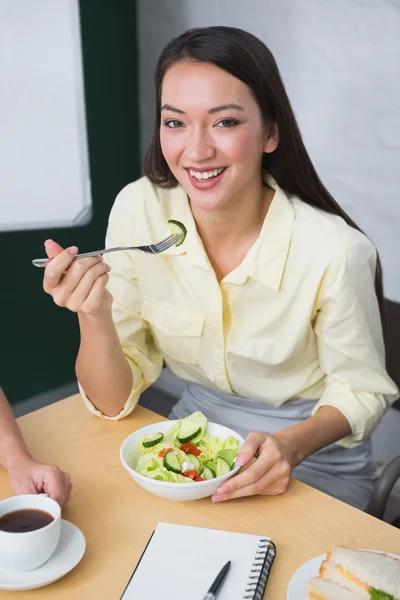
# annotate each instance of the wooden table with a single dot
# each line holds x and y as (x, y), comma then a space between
(117, 517)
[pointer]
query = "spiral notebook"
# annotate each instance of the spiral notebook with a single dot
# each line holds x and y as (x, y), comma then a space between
(181, 562)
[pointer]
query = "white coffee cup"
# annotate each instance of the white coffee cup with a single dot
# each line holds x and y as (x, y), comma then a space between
(30, 549)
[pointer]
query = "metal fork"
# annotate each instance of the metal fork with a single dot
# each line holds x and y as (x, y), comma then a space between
(150, 249)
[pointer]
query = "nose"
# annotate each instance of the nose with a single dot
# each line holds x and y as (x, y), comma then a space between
(199, 146)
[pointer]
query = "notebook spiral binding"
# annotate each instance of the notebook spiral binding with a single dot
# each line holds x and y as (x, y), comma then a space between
(262, 564)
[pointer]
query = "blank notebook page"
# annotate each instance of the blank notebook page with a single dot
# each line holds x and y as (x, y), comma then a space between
(181, 562)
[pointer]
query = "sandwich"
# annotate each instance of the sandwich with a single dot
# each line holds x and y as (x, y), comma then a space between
(323, 589)
(348, 574)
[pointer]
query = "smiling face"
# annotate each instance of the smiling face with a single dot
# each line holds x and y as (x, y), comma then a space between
(212, 135)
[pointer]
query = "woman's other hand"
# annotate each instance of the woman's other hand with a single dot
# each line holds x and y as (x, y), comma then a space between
(268, 475)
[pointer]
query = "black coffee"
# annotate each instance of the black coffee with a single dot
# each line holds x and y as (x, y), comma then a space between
(27, 519)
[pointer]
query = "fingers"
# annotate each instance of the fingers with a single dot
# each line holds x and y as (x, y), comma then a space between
(95, 298)
(255, 472)
(32, 477)
(67, 485)
(79, 281)
(250, 448)
(258, 479)
(56, 484)
(78, 285)
(269, 474)
(52, 248)
(269, 487)
(57, 266)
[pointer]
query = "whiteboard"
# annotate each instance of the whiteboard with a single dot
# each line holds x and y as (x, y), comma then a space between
(44, 166)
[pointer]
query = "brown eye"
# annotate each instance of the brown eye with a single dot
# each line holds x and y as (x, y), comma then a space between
(172, 124)
(224, 123)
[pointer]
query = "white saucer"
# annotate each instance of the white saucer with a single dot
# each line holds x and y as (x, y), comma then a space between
(67, 555)
(297, 588)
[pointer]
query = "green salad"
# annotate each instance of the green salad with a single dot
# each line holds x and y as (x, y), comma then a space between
(186, 453)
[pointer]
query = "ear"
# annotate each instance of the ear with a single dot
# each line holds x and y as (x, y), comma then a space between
(271, 138)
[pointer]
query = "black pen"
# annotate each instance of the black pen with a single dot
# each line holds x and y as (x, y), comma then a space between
(212, 592)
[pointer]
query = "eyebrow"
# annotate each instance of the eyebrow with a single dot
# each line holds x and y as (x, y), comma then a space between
(212, 111)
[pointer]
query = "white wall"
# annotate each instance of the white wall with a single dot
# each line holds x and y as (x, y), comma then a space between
(340, 61)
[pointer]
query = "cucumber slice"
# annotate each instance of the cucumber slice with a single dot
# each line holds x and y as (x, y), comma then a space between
(152, 440)
(177, 228)
(194, 461)
(223, 467)
(171, 462)
(208, 473)
(188, 433)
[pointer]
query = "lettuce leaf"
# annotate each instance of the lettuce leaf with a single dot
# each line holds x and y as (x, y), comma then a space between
(149, 462)
(214, 447)
(196, 418)
(229, 454)
(151, 465)
(162, 474)
(210, 446)
(163, 444)
(379, 595)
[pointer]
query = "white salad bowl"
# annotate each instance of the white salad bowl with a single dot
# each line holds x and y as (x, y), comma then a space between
(129, 455)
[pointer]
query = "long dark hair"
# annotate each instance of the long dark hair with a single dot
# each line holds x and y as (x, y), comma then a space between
(248, 59)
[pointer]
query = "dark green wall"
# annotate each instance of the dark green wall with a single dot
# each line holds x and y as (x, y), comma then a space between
(39, 340)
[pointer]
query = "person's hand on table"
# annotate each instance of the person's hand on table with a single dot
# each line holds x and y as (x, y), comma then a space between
(79, 285)
(28, 476)
(269, 475)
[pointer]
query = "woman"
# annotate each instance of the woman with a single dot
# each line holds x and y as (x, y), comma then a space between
(27, 475)
(268, 309)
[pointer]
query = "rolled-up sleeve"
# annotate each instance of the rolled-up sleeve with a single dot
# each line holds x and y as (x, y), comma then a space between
(134, 334)
(350, 342)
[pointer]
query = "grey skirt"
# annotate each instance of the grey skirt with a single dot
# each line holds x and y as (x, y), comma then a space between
(345, 473)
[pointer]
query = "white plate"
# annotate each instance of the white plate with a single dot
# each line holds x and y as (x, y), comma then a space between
(67, 555)
(298, 585)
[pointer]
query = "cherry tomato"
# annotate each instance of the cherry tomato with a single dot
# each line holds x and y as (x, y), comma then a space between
(198, 478)
(192, 473)
(189, 448)
(164, 451)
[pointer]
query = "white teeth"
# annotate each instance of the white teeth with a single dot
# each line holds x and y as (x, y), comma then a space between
(207, 174)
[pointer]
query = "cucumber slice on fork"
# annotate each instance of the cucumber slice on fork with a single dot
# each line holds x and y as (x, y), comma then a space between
(177, 228)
